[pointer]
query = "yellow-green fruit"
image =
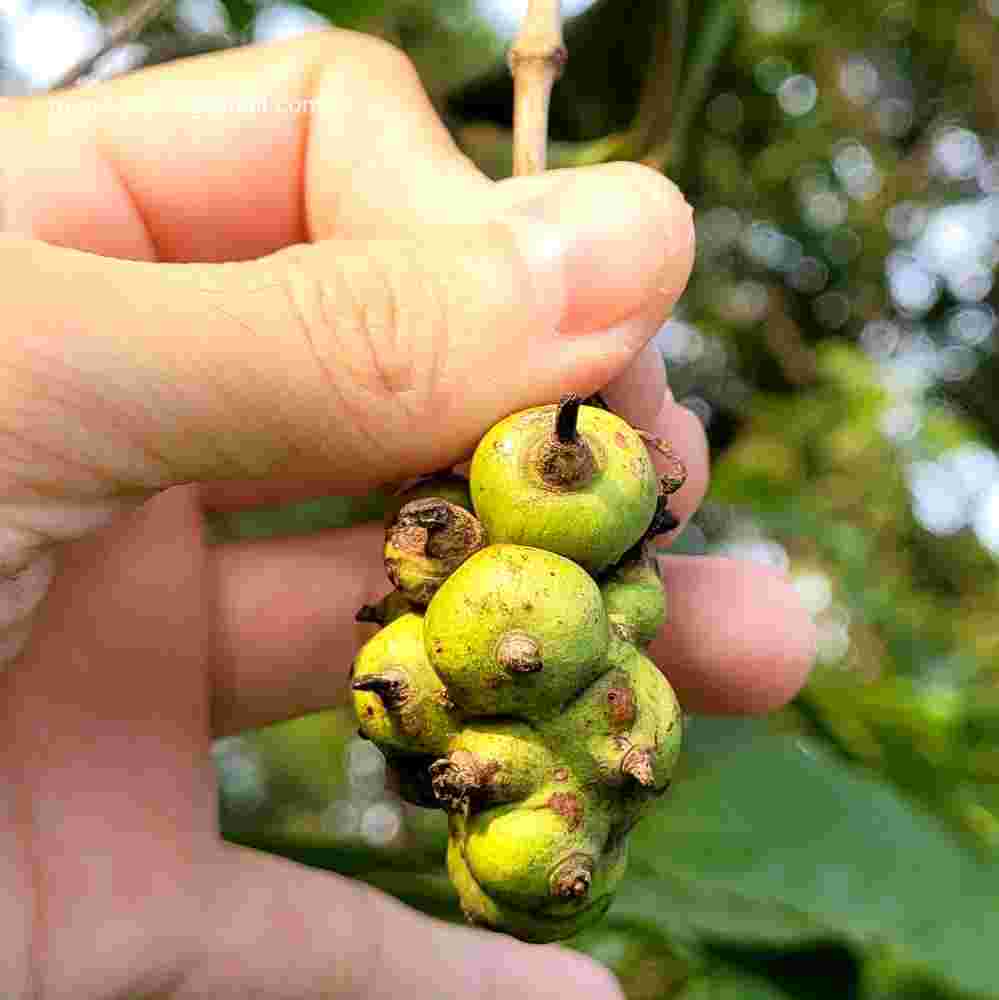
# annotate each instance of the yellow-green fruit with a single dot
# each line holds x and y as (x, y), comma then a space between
(515, 852)
(624, 730)
(542, 870)
(634, 598)
(590, 497)
(447, 486)
(516, 631)
(428, 540)
(481, 909)
(520, 699)
(492, 762)
(400, 702)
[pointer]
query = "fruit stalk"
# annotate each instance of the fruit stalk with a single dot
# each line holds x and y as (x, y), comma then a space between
(536, 59)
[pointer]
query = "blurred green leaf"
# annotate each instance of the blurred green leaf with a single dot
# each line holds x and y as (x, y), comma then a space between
(780, 843)
(303, 518)
(729, 985)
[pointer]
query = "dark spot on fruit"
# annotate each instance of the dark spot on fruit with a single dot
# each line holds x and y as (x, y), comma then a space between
(369, 711)
(572, 878)
(620, 440)
(621, 706)
(568, 807)
(561, 774)
(637, 764)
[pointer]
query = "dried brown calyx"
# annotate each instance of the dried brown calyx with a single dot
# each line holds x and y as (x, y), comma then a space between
(573, 877)
(390, 685)
(428, 540)
(565, 461)
(518, 653)
(637, 764)
(458, 778)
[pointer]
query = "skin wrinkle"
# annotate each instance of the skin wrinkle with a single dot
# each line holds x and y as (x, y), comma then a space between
(227, 461)
(394, 374)
(291, 287)
(44, 390)
(363, 307)
(314, 75)
(119, 421)
(440, 346)
(373, 324)
(117, 173)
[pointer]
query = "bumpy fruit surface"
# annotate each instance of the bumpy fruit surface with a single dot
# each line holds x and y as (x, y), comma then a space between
(400, 702)
(509, 684)
(634, 598)
(590, 498)
(516, 631)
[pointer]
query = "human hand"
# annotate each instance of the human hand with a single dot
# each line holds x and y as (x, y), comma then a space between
(389, 303)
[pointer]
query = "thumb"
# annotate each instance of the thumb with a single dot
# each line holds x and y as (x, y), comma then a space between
(348, 362)
(284, 931)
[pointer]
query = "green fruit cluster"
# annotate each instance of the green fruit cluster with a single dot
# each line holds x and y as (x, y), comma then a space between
(509, 682)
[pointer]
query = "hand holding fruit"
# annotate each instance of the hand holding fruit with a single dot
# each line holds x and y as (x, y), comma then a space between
(184, 304)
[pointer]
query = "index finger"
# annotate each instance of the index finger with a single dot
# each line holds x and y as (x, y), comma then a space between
(233, 155)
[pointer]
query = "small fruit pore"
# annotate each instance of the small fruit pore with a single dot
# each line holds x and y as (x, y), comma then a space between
(390, 686)
(459, 778)
(637, 764)
(573, 877)
(518, 653)
(565, 461)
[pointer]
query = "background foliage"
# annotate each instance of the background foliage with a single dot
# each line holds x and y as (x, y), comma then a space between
(838, 341)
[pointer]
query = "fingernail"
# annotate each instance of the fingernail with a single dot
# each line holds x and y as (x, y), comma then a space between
(616, 237)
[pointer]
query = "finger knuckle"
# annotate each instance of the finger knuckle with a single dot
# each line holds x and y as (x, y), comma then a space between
(381, 59)
(374, 331)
